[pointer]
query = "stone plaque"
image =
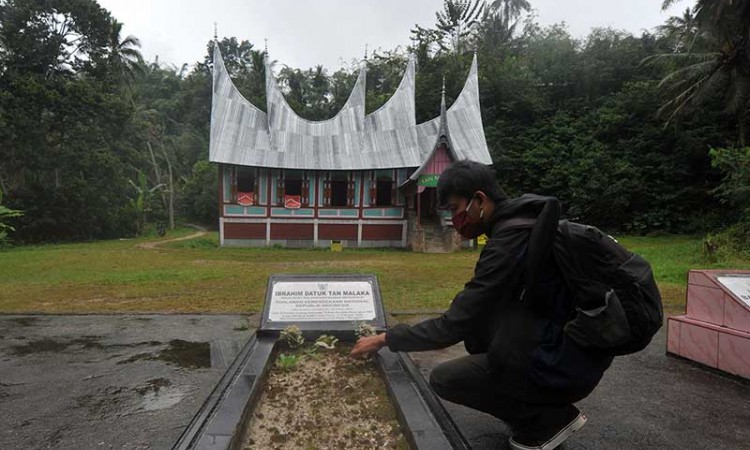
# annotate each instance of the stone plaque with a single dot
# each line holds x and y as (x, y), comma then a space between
(319, 302)
(300, 301)
(739, 285)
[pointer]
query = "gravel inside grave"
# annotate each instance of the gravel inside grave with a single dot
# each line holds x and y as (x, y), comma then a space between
(327, 400)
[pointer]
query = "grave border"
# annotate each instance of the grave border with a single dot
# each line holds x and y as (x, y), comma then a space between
(218, 425)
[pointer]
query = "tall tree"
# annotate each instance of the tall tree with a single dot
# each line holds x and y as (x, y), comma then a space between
(510, 9)
(721, 68)
(52, 37)
(123, 58)
(458, 20)
(682, 31)
(62, 151)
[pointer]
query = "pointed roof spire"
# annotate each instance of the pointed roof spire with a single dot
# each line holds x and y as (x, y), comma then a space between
(442, 98)
(443, 115)
(216, 31)
(365, 52)
(265, 49)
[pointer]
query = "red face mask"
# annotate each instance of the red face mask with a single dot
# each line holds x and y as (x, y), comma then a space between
(464, 224)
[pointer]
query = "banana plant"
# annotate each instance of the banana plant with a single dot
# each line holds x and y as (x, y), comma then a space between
(142, 199)
(6, 213)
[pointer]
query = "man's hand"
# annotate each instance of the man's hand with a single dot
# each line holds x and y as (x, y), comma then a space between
(366, 346)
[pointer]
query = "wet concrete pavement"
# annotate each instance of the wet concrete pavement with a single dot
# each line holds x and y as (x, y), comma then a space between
(645, 401)
(135, 382)
(109, 381)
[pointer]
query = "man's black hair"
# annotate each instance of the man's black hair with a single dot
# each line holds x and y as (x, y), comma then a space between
(464, 178)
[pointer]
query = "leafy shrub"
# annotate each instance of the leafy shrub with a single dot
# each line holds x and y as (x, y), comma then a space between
(291, 336)
(326, 341)
(287, 362)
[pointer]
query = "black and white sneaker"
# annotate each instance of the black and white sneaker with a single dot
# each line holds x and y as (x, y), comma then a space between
(549, 430)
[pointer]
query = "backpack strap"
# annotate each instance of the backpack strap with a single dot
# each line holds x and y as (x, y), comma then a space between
(517, 222)
(541, 239)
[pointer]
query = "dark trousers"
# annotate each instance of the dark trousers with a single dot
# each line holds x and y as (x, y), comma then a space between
(511, 396)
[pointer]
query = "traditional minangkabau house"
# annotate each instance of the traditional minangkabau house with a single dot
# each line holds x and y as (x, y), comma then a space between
(362, 180)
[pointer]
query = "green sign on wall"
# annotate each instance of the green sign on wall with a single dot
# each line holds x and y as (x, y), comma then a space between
(428, 180)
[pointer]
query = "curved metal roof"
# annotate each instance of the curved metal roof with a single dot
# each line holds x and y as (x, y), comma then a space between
(389, 137)
(464, 122)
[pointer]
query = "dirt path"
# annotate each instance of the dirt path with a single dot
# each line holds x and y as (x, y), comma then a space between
(151, 245)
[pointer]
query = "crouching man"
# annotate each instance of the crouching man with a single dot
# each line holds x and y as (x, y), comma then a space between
(521, 367)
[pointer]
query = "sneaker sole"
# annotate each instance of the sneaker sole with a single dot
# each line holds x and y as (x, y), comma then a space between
(557, 439)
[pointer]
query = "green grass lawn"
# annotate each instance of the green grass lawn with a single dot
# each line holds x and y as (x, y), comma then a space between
(198, 276)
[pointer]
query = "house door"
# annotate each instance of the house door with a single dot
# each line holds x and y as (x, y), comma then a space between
(428, 204)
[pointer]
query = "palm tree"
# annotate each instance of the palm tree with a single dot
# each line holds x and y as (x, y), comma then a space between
(319, 93)
(296, 86)
(682, 30)
(720, 67)
(718, 13)
(458, 20)
(124, 57)
(256, 87)
(500, 20)
(510, 10)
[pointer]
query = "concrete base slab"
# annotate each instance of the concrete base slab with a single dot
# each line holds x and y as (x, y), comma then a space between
(645, 401)
(109, 381)
(136, 381)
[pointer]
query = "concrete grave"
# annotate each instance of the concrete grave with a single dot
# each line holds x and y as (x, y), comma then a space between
(319, 304)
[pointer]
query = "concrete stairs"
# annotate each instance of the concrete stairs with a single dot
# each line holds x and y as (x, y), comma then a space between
(431, 237)
(436, 240)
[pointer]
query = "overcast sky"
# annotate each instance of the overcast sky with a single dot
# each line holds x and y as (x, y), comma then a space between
(304, 33)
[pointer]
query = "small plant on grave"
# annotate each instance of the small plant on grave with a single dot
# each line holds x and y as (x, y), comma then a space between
(291, 336)
(287, 362)
(312, 353)
(327, 341)
(364, 329)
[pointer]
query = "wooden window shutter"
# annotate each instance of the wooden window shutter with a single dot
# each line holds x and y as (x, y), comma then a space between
(350, 193)
(280, 190)
(256, 186)
(233, 184)
(373, 192)
(327, 193)
(305, 194)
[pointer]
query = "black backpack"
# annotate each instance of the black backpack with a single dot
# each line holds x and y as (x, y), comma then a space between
(618, 307)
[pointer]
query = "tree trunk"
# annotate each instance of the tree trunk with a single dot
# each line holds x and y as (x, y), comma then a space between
(158, 174)
(171, 190)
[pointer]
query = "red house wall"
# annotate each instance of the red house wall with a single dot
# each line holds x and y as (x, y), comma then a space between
(439, 162)
(244, 230)
(292, 231)
(382, 232)
(337, 231)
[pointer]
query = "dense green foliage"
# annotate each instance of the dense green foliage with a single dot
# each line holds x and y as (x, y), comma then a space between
(82, 115)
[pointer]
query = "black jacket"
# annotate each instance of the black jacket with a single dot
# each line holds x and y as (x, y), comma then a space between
(519, 333)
